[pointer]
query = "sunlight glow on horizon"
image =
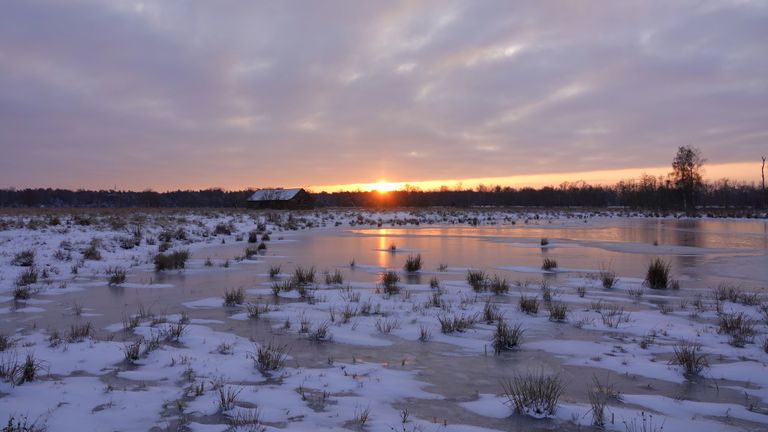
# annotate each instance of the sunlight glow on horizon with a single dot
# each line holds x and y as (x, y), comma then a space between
(740, 171)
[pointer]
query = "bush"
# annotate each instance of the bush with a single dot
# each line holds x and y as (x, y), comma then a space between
(116, 275)
(413, 263)
(171, 261)
(27, 277)
(335, 278)
(390, 280)
(534, 394)
(498, 285)
(455, 323)
(477, 280)
(657, 276)
(304, 276)
(529, 305)
(549, 264)
(274, 271)
(506, 337)
(608, 278)
(223, 229)
(234, 297)
(24, 258)
(688, 355)
(92, 252)
(270, 357)
(558, 312)
(253, 237)
(78, 332)
(739, 327)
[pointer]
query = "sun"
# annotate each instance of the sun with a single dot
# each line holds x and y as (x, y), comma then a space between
(384, 186)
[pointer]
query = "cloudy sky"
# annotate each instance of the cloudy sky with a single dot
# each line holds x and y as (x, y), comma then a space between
(188, 94)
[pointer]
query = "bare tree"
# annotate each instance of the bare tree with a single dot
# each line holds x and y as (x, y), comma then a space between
(762, 173)
(686, 172)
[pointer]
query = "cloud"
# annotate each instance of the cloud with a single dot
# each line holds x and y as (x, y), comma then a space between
(194, 94)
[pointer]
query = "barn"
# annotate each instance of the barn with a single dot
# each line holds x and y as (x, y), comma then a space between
(281, 199)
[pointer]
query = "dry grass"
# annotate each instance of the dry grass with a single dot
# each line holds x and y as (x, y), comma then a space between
(507, 337)
(657, 275)
(688, 355)
(234, 297)
(534, 394)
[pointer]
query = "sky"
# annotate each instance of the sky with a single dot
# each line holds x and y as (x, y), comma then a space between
(341, 94)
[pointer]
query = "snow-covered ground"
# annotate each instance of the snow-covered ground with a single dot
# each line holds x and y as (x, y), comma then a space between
(79, 351)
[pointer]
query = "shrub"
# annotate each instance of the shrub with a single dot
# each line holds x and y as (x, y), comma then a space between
(78, 332)
(22, 424)
(304, 276)
(92, 251)
(386, 326)
(455, 323)
(25, 258)
(544, 241)
(255, 310)
(171, 261)
(558, 312)
(320, 333)
(598, 396)
(132, 350)
(529, 305)
(22, 293)
(228, 397)
(534, 394)
(390, 280)
(253, 237)
(270, 357)
(739, 327)
(657, 276)
(613, 315)
(6, 342)
(223, 229)
(274, 271)
(607, 278)
(549, 264)
(250, 252)
(477, 280)
(498, 285)
(116, 275)
(490, 312)
(27, 277)
(234, 297)
(434, 283)
(506, 337)
(412, 263)
(335, 278)
(688, 355)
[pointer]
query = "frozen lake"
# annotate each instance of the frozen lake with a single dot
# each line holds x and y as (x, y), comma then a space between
(451, 380)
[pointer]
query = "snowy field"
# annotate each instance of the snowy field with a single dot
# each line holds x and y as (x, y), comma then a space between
(240, 320)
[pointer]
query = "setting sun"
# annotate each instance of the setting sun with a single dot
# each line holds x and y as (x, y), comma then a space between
(383, 186)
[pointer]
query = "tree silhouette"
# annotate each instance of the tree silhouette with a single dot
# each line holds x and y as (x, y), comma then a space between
(686, 172)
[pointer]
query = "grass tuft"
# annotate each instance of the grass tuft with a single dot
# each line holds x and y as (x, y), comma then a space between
(412, 263)
(171, 261)
(270, 357)
(507, 337)
(535, 394)
(657, 276)
(234, 297)
(549, 264)
(688, 355)
(529, 305)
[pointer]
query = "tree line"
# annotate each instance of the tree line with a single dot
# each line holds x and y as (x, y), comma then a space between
(682, 189)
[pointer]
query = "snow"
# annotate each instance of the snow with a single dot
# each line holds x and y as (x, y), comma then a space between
(89, 385)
